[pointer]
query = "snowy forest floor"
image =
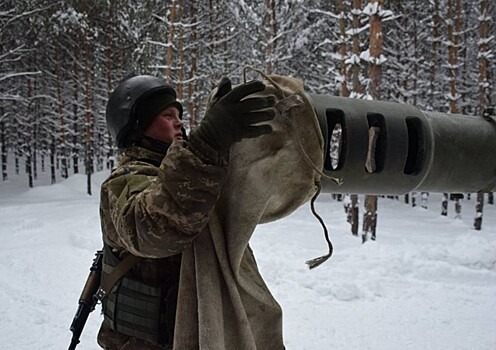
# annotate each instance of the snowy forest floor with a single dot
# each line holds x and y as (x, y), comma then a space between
(427, 282)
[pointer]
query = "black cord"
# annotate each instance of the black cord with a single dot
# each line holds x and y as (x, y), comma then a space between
(318, 261)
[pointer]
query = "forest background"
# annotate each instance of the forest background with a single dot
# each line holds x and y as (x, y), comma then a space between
(60, 60)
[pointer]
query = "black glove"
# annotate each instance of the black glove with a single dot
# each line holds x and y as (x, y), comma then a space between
(223, 89)
(232, 117)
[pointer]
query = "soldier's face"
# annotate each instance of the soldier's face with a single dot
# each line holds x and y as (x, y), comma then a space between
(166, 126)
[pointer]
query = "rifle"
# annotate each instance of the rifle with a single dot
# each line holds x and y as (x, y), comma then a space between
(87, 300)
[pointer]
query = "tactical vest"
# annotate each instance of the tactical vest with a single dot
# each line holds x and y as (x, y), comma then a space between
(139, 310)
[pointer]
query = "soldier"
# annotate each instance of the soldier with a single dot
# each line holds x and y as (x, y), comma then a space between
(160, 196)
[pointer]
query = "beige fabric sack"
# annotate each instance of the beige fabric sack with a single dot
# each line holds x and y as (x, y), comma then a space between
(223, 301)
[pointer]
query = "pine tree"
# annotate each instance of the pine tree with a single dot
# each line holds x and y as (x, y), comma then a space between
(485, 85)
(375, 58)
(454, 42)
(357, 87)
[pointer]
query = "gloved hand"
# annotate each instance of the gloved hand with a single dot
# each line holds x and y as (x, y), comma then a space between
(232, 117)
(223, 89)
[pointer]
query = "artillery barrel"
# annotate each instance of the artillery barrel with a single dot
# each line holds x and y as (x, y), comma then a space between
(394, 148)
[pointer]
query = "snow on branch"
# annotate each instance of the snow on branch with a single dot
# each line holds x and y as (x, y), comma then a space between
(365, 56)
(325, 13)
(326, 41)
(15, 75)
(25, 14)
(176, 23)
(485, 41)
(352, 60)
(485, 54)
(373, 8)
(17, 50)
(161, 44)
(357, 31)
(451, 97)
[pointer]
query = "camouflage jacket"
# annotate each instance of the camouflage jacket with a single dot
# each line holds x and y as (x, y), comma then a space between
(153, 207)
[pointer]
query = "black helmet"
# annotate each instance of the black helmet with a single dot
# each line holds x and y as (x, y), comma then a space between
(145, 93)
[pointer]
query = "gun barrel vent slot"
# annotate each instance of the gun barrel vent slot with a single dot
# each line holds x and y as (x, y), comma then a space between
(416, 146)
(376, 150)
(336, 147)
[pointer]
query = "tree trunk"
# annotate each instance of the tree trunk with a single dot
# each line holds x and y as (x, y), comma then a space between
(375, 73)
(180, 49)
(369, 218)
(357, 86)
(343, 49)
(192, 103)
(452, 57)
(34, 113)
(485, 85)
(424, 199)
(417, 53)
(28, 149)
(404, 53)
(354, 214)
(453, 36)
(375, 47)
(357, 92)
(271, 24)
(3, 147)
(458, 208)
(60, 109)
(52, 161)
(16, 158)
(75, 117)
(433, 73)
(444, 205)
(170, 47)
(479, 209)
(88, 101)
(29, 167)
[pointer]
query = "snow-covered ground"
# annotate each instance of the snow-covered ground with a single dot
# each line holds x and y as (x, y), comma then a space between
(428, 282)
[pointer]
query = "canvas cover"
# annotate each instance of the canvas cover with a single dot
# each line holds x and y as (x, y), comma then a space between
(223, 301)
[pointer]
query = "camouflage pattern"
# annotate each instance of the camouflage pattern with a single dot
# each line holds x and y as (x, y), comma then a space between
(153, 207)
(156, 211)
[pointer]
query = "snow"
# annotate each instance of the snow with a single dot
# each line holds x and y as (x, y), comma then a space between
(371, 8)
(427, 282)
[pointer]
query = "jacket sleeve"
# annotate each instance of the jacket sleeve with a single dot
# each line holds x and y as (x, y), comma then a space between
(157, 212)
